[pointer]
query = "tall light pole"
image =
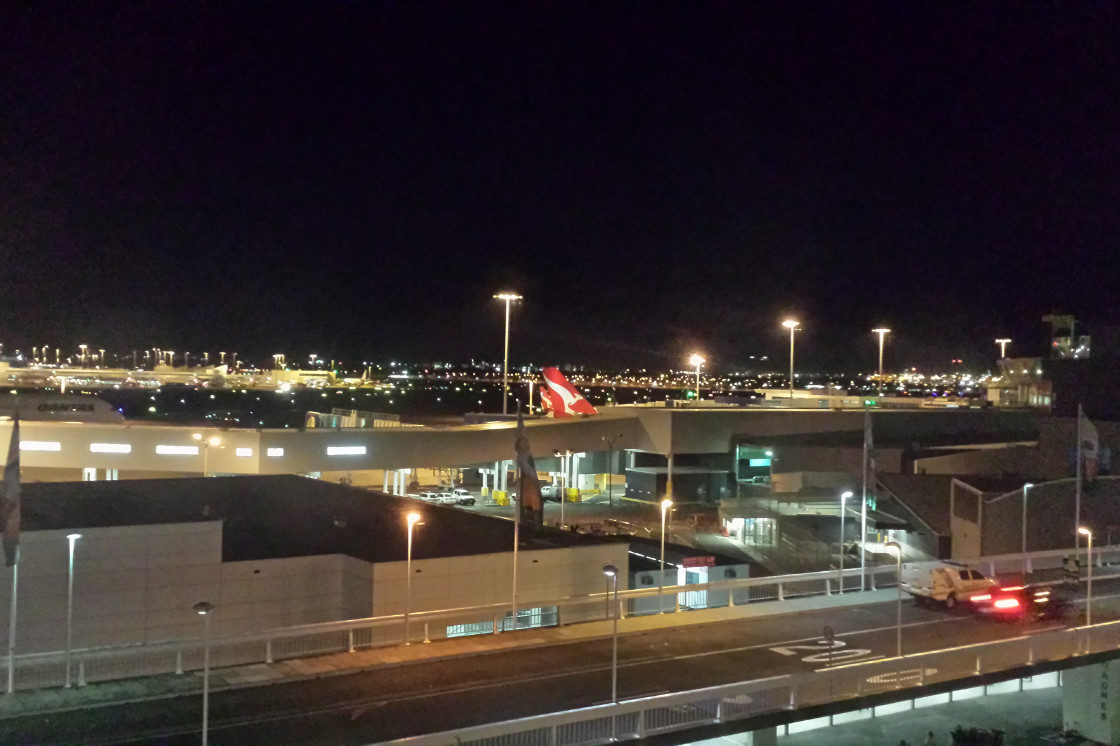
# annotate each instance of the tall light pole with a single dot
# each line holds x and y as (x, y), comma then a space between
(665, 505)
(204, 608)
(610, 467)
(72, 538)
(508, 297)
(565, 468)
(412, 519)
(214, 441)
(898, 584)
(612, 572)
(83, 349)
(696, 360)
(843, 509)
(1023, 529)
(1089, 581)
(1003, 342)
(792, 325)
(882, 332)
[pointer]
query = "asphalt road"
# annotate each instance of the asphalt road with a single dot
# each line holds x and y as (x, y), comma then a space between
(374, 706)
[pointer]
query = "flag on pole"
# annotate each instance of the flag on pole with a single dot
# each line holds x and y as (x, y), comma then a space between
(9, 499)
(1090, 445)
(530, 504)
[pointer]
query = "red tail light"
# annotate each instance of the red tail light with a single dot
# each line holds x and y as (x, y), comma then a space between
(1006, 603)
(981, 597)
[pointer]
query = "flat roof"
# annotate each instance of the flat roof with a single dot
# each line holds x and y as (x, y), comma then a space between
(270, 517)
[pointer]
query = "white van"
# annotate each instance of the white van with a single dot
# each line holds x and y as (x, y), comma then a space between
(946, 582)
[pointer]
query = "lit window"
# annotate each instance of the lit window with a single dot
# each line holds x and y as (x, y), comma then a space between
(177, 450)
(110, 448)
(275, 452)
(244, 451)
(346, 450)
(40, 445)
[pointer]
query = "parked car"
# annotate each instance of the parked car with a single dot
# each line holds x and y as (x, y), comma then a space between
(948, 583)
(429, 497)
(447, 498)
(1024, 602)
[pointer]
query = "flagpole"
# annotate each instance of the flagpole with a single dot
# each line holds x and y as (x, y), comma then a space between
(12, 631)
(863, 508)
(516, 502)
(516, 537)
(1077, 499)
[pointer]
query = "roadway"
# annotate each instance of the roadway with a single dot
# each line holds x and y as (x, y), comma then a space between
(398, 701)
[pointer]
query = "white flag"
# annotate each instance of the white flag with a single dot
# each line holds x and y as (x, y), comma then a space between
(1090, 445)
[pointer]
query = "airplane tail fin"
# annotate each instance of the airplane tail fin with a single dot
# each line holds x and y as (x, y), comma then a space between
(560, 398)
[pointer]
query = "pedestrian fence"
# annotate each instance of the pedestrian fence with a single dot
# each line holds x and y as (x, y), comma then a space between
(115, 662)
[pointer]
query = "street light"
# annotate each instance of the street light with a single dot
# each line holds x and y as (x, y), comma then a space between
(508, 297)
(696, 360)
(72, 538)
(665, 505)
(412, 519)
(612, 572)
(843, 507)
(565, 467)
(214, 441)
(204, 608)
(1023, 530)
(1003, 342)
(898, 583)
(790, 324)
(882, 332)
(610, 467)
(1089, 581)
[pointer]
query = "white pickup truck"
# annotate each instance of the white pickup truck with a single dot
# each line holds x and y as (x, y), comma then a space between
(946, 582)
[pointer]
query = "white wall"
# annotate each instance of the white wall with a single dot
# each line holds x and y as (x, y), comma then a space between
(456, 582)
(138, 584)
(132, 584)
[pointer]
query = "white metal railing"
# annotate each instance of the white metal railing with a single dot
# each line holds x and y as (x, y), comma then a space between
(38, 670)
(648, 716)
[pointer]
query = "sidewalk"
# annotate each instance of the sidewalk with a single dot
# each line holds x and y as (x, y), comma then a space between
(40, 701)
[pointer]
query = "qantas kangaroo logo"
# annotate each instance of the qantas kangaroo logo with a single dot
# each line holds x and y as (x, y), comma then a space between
(560, 398)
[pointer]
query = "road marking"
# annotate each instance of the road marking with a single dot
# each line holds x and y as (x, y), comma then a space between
(910, 675)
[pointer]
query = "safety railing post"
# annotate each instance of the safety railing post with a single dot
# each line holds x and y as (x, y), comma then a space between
(268, 652)
(81, 673)
(179, 661)
(350, 641)
(781, 594)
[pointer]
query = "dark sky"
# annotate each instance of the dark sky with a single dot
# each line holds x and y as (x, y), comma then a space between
(358, 178)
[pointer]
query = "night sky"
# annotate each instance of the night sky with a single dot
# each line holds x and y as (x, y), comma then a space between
(357, 179)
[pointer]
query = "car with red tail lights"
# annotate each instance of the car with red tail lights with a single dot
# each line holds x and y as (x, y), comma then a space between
(1024, 602)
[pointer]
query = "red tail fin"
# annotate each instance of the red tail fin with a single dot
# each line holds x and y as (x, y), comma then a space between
(560, 398)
